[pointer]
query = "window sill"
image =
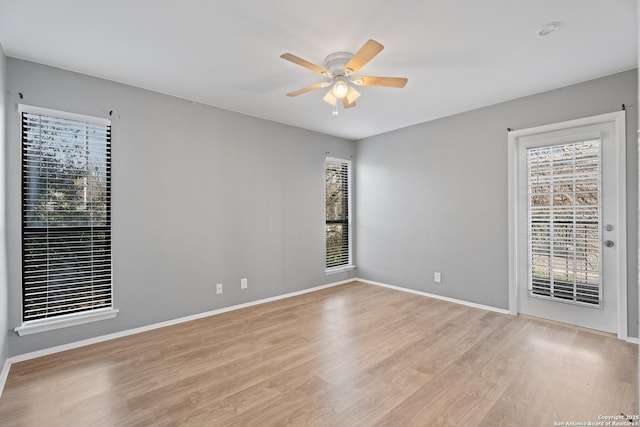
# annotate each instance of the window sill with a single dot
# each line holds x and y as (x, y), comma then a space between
(36, 326)
(340, 269)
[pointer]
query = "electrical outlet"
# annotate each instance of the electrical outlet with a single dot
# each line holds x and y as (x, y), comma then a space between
(243, 283)
(437, 277)
(219, 288)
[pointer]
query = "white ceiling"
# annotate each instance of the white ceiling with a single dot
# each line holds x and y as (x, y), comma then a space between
(458, 55)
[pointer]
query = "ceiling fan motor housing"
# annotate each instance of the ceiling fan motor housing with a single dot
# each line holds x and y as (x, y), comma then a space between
(336, 62)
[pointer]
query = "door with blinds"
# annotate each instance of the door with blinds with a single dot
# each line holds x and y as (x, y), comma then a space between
(570, 223)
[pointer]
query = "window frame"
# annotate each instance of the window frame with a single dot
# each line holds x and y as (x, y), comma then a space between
(349, 265)
(67, 319)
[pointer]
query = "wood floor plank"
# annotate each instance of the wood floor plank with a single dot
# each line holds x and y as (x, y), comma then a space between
(354, 354)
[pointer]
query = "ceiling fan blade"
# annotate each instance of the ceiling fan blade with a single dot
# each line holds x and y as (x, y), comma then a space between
(398, 82)
(345, 103)
(366, 53)
(306, 89)
(303, 62)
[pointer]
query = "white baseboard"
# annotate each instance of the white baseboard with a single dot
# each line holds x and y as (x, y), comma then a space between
(632, 340)
(4, 374)
(95, 340)
(440, 297)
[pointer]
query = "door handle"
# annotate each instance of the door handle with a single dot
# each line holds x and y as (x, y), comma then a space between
(608, 243)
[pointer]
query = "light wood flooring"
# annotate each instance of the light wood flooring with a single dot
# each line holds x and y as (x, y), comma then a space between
(354, 354)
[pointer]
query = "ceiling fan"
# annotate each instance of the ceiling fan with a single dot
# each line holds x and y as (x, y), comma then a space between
(340, 68)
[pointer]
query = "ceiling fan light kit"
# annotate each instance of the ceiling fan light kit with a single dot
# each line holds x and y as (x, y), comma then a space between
(340, 68)
(340, 88)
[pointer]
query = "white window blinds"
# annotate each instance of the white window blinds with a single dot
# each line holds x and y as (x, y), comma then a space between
(338, 205)
(66, 214)
(564, 222)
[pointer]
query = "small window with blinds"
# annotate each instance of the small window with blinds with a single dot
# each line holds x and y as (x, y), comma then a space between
(66, 215)
(338, 207)
(564, 222)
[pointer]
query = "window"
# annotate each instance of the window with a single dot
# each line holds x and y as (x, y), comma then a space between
(564, 222)
(66, 218)
(338, 219)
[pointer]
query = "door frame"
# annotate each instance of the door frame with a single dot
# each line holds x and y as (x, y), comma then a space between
(618, 118)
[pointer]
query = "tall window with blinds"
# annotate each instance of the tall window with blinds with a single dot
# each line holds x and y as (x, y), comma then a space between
(338, 207)
(564, 220)
(66, 215)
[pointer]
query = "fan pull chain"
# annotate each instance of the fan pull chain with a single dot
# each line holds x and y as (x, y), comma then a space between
(335, 109)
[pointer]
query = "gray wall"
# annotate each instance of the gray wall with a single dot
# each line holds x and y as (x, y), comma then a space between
(200, 196)
(433, 197)
(4, 313)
